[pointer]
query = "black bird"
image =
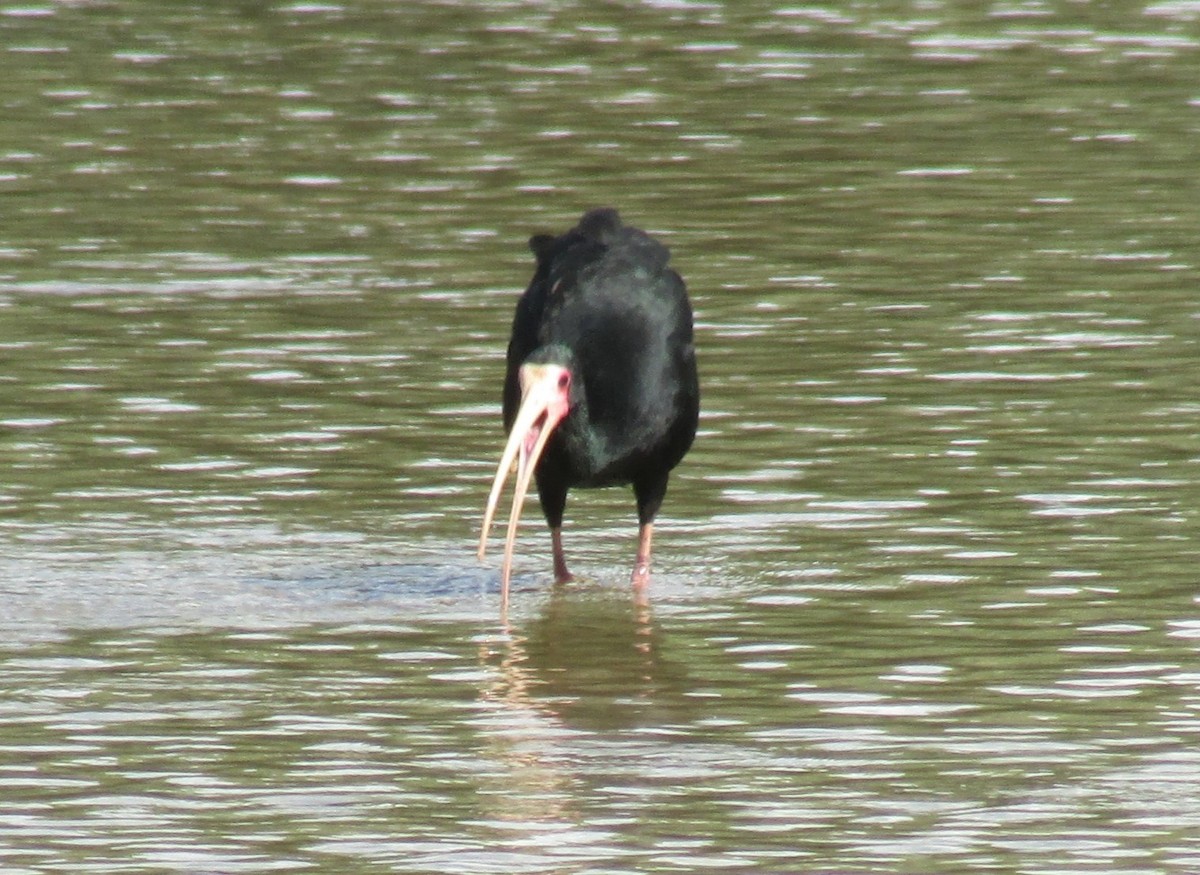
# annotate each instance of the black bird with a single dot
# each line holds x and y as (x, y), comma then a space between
(601, 387)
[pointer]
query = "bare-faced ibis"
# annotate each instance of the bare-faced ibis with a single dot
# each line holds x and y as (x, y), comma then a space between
(601, 386)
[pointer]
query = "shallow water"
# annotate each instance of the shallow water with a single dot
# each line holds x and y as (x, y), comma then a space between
(925, 592)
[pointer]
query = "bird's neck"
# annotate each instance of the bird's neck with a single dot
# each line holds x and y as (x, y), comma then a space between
(591, 449)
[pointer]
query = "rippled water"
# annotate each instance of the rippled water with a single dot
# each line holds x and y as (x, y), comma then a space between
(925, 595)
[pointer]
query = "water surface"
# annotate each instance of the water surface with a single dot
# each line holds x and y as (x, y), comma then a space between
(925, 596)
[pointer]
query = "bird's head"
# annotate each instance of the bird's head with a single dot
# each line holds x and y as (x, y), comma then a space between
(550, 389)
(548, 385)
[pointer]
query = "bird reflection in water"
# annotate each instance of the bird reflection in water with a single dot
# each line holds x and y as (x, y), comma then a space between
(591, 661)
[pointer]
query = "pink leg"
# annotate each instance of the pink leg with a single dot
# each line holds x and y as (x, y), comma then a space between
(561, 574)
(641, 565)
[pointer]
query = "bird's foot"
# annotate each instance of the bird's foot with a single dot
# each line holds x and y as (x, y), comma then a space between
(641, 575)
(561, 574)
(641, 564)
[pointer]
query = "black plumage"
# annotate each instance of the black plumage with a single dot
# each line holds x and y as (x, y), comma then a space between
(601, 373)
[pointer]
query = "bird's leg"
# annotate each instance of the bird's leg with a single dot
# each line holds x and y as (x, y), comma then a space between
(561, 574)
(649, 494)
(641, 565)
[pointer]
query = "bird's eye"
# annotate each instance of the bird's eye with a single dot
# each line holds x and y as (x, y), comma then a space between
(564, 380)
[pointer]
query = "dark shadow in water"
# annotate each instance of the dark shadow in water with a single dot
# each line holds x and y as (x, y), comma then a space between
(390, 582)
(413, 584)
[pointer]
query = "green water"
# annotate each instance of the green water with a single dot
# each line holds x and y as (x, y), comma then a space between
(925, 596)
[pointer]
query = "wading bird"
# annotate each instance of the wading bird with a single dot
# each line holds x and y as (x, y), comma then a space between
(601, 386)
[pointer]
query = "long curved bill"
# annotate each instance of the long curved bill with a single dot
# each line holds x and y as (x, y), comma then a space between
(544, 403)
